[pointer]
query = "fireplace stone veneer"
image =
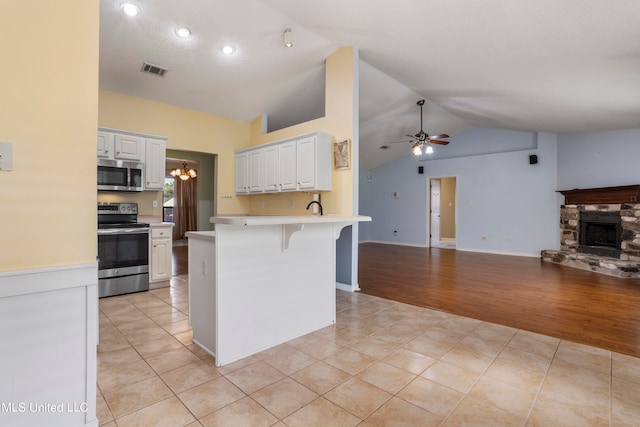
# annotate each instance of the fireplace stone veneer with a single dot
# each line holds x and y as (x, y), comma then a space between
(627, 264)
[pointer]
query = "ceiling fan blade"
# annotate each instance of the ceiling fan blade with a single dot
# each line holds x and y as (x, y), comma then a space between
(441, 136)
(399, 142)
(412, 136)
(437, 141)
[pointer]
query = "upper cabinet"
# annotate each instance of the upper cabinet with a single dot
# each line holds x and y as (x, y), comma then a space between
(288, 168)
(149, 150)
(255, 179)
(117, 146)
(296, 164)
(271, 167)
(154, 163)
(105, 144)
(128, 147)
(249, 172)
(242, 180)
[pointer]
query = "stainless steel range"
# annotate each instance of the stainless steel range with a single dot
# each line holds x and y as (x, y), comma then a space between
(123, 250)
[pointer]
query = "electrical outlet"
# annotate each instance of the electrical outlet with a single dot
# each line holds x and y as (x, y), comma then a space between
(155, 203)
(395, 195)
(484, 237)
(395, 232)
(507, 238)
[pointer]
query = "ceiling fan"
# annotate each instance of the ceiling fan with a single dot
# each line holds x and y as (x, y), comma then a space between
(422, 141)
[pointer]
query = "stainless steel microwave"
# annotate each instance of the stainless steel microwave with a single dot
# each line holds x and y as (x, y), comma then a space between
(119, 175)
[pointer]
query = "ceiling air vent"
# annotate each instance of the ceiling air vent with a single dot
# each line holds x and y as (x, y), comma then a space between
(156, 70)
(384, 147)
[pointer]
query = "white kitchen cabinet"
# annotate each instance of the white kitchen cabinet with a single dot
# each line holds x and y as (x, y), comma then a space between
(288, 167)
(313, 158)
(242, 185)
(279, 167)
(271, 168)
(129, 147)
(306, 161)
(154, 164)
(105, 144)
(255, 171)
(296, 164)
(160, 249)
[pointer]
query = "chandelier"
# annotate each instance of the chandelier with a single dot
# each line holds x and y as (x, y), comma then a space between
(184, 173)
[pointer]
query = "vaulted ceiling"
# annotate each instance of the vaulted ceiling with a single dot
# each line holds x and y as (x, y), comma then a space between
(545, 65)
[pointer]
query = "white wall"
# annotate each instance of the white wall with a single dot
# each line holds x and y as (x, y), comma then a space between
(498, 194)
(598, 159)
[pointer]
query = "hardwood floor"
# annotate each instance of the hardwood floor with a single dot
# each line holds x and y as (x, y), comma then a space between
(180, 261)
(520, 292)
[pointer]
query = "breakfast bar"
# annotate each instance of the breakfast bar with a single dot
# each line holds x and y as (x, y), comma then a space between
(259, 281)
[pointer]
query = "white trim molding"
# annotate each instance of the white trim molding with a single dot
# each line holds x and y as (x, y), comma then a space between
(48, 338)
(23, 282)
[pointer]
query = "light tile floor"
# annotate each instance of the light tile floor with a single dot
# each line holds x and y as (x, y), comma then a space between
(383, 364)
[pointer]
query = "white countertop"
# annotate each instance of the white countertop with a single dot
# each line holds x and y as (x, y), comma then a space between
(201, 235)
(161, 224)
(281, 219)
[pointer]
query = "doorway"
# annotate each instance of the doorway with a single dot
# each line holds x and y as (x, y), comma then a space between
(442, 212)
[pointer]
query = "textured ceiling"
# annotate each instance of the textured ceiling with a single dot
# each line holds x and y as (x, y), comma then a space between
(545, 65)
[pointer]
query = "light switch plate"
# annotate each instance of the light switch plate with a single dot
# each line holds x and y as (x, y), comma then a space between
(6, 156)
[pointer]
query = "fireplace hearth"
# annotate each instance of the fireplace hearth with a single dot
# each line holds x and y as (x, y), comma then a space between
(600, 231)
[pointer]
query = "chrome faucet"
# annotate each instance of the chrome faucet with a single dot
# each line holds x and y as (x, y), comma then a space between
(317, 202)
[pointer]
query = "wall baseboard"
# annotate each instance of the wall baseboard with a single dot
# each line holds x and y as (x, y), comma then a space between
(382, 242)
(347, 288)
(523, 254)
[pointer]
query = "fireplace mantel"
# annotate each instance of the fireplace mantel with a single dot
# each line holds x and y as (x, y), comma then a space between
(603, 195)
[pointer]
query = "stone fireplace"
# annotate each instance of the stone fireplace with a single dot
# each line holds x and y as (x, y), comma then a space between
(600, 231)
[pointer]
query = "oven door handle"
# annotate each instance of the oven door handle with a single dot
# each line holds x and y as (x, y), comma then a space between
(124, 231)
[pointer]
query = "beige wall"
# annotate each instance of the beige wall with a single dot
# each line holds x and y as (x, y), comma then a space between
(338, 122)
(48, 111)
(187, 130)
(448, 208)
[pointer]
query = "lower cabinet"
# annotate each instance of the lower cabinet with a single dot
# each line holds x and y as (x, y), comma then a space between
(160, 252)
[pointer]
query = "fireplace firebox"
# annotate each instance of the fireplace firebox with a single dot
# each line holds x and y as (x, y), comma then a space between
(600, 233)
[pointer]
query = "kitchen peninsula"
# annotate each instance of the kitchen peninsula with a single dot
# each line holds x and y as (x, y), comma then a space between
(259, 281)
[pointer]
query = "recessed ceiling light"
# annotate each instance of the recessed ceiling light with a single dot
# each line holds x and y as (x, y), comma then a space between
(228, 49)
(130, 9)
(183, 32)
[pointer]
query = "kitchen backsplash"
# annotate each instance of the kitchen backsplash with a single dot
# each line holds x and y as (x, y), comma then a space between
(144, 199)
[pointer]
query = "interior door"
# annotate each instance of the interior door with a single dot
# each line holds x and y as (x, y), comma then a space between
(435, 212)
